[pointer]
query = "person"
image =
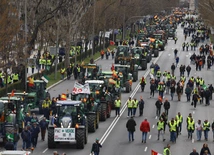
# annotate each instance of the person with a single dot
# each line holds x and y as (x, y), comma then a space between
(142, 83)
(198, 128)
(34, 134)
(206, 129)
(134, 108)
(26, 137)
(205, 148)
(130, 125)
(16, 139)
(158, 105)
(43, 125)
(129, 105)
(213, 129)
(144, 128)
(55, 153)
(96, 147)
(141, 106)
(166, 150)
(190, 128)
(176, 61)
(172, 128)
(46, 107)
(194, 152)
(117, 106)
(180, 118)
(166, 106)
(175, 52)
(160, 127)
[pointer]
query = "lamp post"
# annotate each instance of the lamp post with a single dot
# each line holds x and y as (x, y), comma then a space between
(26, 44)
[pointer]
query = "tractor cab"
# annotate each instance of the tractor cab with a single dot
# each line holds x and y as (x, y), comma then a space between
(92, 70)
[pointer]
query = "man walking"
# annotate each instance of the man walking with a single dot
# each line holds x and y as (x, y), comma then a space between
(129, 105)
(158, 105)
(134, 108)
(160, 127)
(43, 125)
(117, 106)
(166, 150)
(144, 128)
(141, 106)
(166, 106)
(96, 147)
(34, 134)
(130, 125)
(194, 152)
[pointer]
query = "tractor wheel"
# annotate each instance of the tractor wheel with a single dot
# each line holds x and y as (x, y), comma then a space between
(109, 110)
(80, 138)
(144, 64)
(103, 112)
(147, 58)
(162, 48)
(86, 131)
(51, 143)
(91, 123)
(156, 53)
(97, 119)
(135, 76)
(128, 87)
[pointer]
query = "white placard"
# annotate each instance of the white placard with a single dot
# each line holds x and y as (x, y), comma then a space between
(64, 134)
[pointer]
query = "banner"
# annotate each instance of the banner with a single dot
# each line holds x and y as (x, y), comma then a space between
(155, 153)
(79, 88)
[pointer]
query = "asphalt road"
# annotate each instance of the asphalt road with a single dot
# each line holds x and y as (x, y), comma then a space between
(117, 142)
(115, 139)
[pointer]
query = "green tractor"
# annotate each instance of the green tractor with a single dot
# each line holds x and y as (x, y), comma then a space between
(109, 87)
(98, 90)
(125, 76)
(69, 125)
(37, 94)
(122, 54)
(161, 40)
(91, 109)
(12, 114)
(91, 71)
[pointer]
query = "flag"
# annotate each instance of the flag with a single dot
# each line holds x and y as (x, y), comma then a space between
(63, 96)
(12, 93)
(112, 43)
(155, 153)
(30, 82)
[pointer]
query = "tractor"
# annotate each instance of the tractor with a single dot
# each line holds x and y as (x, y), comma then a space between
(125, 76)
(122, 54)
(109, 86)
(91, 109)
(37, 94)
(68, 125)
(99, 92)
(11, 116)
(91, 71)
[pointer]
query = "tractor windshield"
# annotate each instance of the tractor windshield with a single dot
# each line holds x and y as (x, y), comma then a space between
(94, 86)
(65, 110)
(78, 97)
(158, 37)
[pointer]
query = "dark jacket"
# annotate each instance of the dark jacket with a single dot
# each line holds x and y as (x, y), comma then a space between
(194, 153)
(35, 131)
(43, 124)
(141, 104)
(130, 125)
(166, 105)
(204, 149)
(158, 104)
(96, 147)
(26, 136)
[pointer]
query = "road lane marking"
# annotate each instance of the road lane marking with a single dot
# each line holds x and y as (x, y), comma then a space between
(193, 140)
(45, 150)
(156, 117)
(150, 136)
(193, 112)
(145, 149)
(153, 126)
(116, 119)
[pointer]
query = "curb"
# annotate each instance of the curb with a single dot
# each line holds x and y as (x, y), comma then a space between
(55, 84)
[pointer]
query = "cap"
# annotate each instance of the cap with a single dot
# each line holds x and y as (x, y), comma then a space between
(97, 139)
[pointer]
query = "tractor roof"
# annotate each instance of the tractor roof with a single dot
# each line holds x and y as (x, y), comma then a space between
(107, 72)
(18, 94)
(68, 103)
(37, 81)
(94, 81)
(118, 65)
(10, 98)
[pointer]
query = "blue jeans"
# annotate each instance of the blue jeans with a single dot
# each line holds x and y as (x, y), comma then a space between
(131, 136)
(26, 145)
(117, 111)
(172, 95)
(206, 134)
(161, 94)
(129, 111)
(173, 136)
(134, 111)
(15, 145)
(198, 133)
(144, 136)
(96, 153)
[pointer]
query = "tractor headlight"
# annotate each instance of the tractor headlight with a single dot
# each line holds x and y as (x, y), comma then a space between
(69, 125)
(61, 125)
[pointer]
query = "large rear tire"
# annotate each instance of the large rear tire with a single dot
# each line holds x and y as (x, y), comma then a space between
(128, 89)
(109, 110)
(80, 138)
(143, 64)
(51, 143)
(156, 53)
(91, 123)
(103, 112)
